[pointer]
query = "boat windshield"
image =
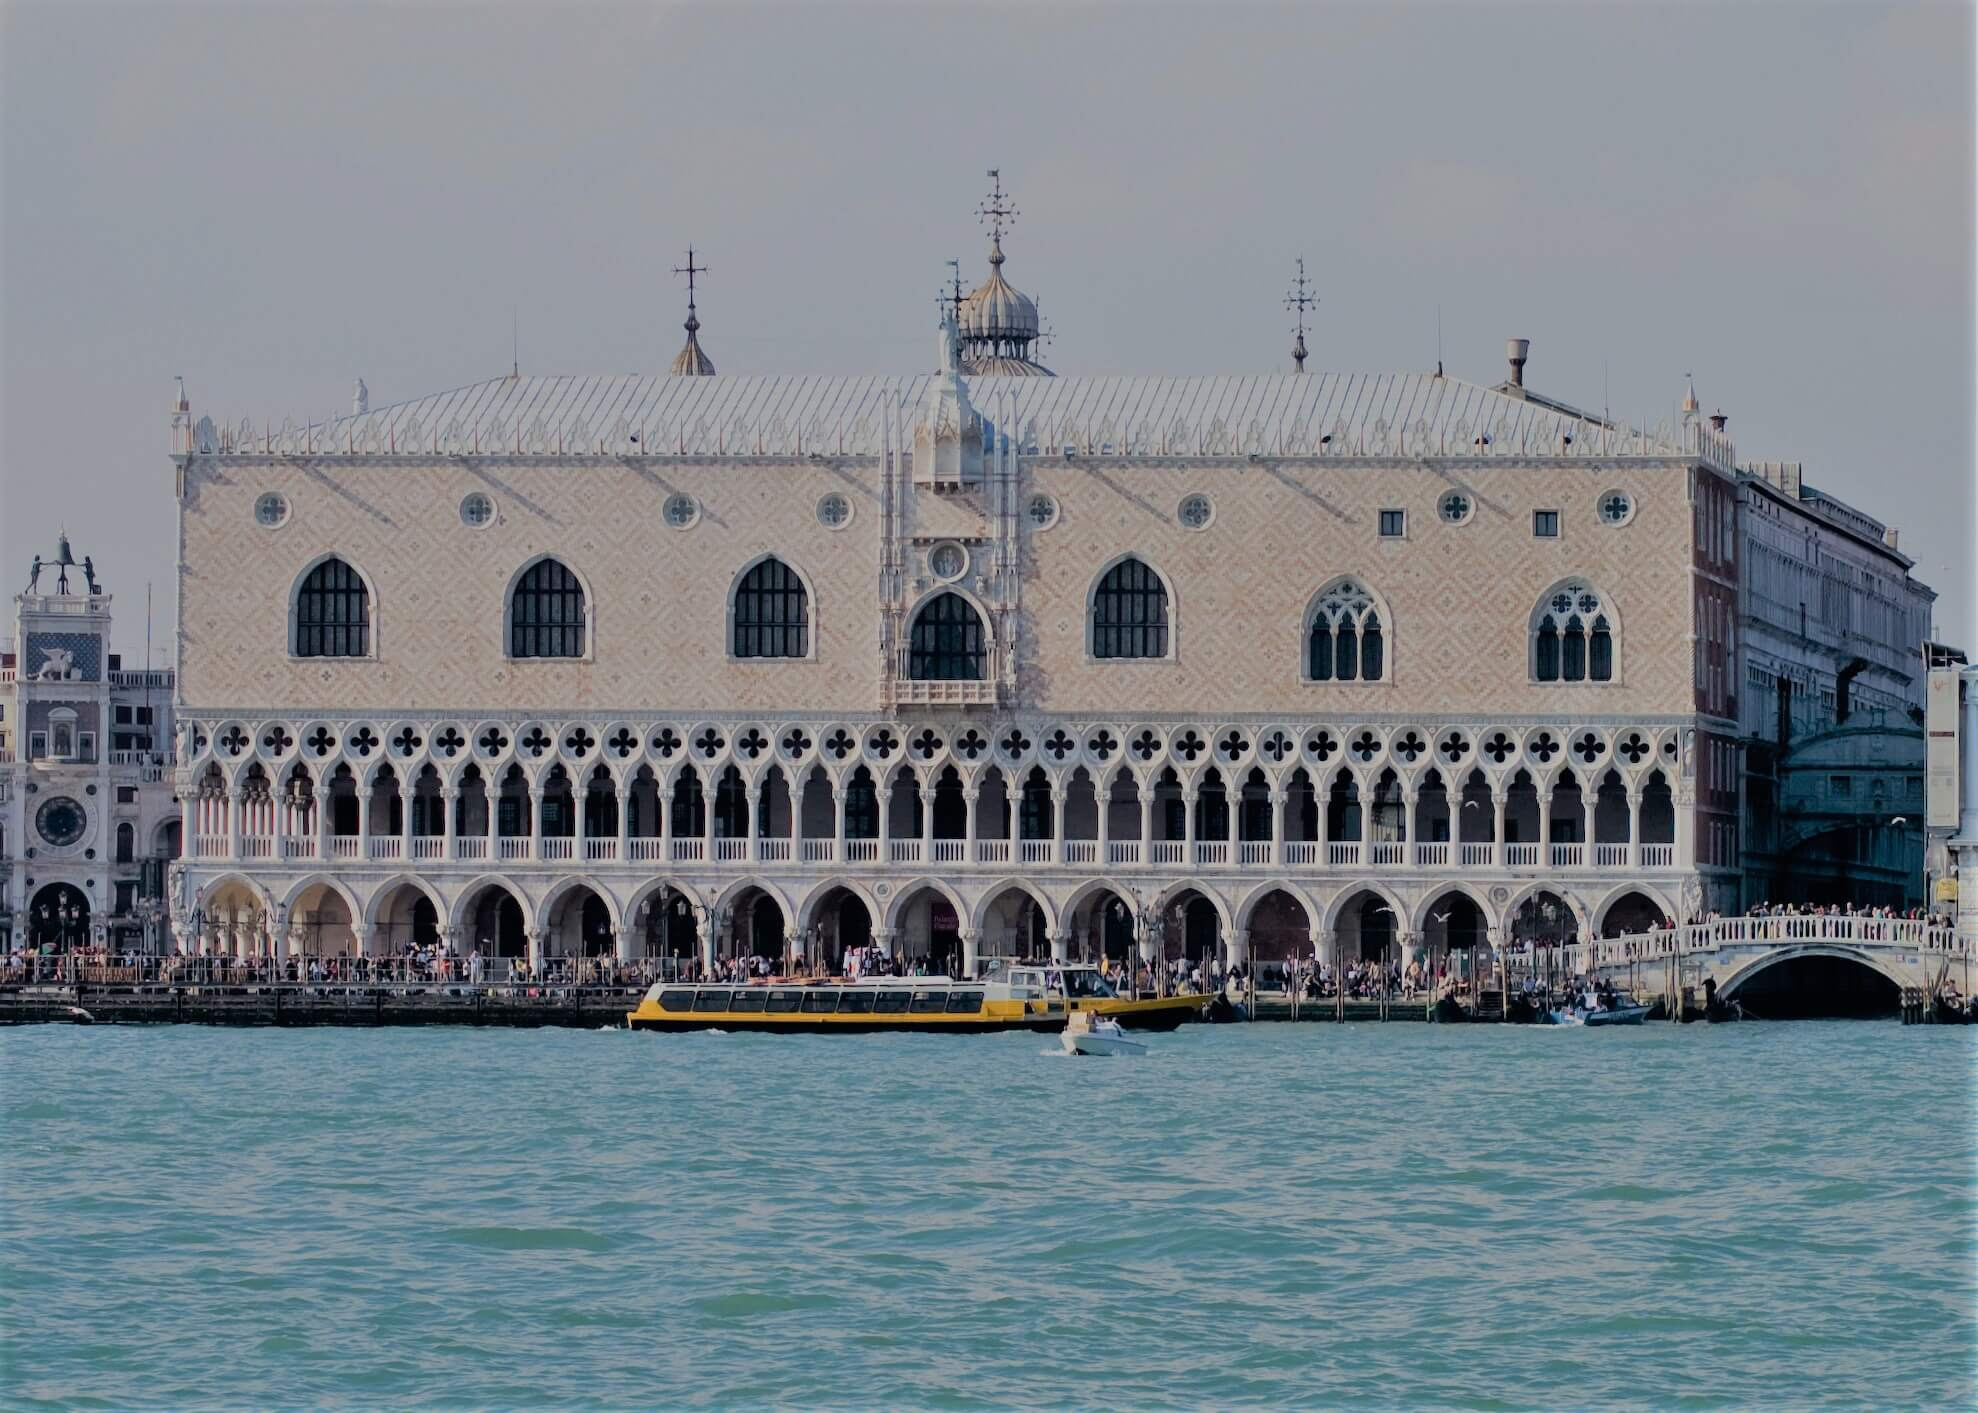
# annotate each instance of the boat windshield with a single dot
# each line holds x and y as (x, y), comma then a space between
(1081, 985)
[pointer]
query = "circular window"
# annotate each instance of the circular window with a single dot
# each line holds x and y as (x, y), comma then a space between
(1043, 511)
(1454, 507)
(271, 510)
(60, 821)
(1195, 512)
(834, 512)
(681, 511)
(947, 561)
(476, 511)
(1616, 508)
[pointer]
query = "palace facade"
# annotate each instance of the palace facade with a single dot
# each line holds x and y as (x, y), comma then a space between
(973, 663)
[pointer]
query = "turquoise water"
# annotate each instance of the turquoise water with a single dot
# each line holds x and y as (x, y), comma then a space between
(1381, 1216)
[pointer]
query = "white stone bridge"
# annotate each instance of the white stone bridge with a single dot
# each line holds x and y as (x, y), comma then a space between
(1732, 951)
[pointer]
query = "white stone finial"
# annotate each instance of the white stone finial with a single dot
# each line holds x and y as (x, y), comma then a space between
(360, 399)
(951, 343)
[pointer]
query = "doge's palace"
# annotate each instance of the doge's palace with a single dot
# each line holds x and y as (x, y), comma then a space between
(973, 663)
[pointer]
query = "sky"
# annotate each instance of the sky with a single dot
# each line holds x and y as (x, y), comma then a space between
(274, 200)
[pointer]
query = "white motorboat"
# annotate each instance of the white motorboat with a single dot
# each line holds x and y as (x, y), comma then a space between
(1087, 1033)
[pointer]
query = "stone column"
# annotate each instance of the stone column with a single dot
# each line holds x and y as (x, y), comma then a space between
(282, 940)
(1060, 946)
(360, 938)
(882, 938)
(1321, 810)
(1634, 829)
(1058, 793)
(971, 942)
(1146, 826)
(1499, 803)
(491, 792)
(535, 822)
(1237, 949)
(188, 827)
(622, 940)
(1410, 835)
(926, 822)
(1588, 803)
(1104, 800)
(664, 798)
(408, 791)
(233, 821)
(1545, 827)
(840, 797)
(752, 801)
(707, 821)
(1191, 802)
(623, 796)
(970, 794)
(321, 795)
(1278, 796)
(364, 821)
(537, 951)
(708, 925)
(449, 824)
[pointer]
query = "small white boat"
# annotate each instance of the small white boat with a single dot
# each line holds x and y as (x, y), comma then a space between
(1088, 1033)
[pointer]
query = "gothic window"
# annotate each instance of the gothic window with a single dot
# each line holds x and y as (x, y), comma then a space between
(1573, 637)
(1130, 612)
(546, 612)
(333, 613)
(772, 613)
(1346, 640)
(948, 643)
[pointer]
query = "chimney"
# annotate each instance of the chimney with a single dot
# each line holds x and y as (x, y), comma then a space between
(1517, 350)
(1890, 536)
(1717, 421)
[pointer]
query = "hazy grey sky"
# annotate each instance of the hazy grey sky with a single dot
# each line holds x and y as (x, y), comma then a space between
(275, 199)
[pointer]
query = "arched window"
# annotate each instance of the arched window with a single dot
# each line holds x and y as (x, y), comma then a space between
(1573, 637)
(546, 612)
(772, 613)
(333, 613)
(948, 644)
(1130, 612)
(126, 842)
(1345, 641)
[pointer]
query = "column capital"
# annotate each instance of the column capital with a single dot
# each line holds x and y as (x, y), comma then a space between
(449, 792)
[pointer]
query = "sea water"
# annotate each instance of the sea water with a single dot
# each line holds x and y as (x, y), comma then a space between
(1368, 1215)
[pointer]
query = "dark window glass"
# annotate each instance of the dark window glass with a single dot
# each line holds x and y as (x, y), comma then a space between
(676, 1000)
(861, 808)
(772, 613)
(891, 1003)
(332, 613)
(1548, 650)
(711, 1001)
(1130, 613)
(1346, 660)
(821, 1002)
(1393, 524)
(1321, 650)
(1545, 524)
(855, 1003)
(929, 1003)
(1575, 645)
(964, 1003)
(1371, 649)
(948, 644)
(782, 1001)
(1602, 668)
(748, 1000)
(546, 613)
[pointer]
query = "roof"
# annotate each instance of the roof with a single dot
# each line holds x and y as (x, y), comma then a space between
(1287, 414)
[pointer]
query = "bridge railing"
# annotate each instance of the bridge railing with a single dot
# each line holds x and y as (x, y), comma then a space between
(1777, 930)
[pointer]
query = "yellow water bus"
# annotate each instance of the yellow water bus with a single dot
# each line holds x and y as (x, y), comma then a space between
(1028, 998)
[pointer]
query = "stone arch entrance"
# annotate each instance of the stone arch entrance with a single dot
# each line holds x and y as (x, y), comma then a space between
(840, 922)
(1100, 924)
(1368, 929)
(1280, 930)
(58, 918)
(496, 924)
(757, 927)
(666, 920)
(1809, 983)
(927, 929)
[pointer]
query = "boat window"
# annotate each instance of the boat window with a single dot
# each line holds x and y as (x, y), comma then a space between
(676, 1000)
(784, 1000)
(711, 1001)
(891, 1003)
(929, 1003)
(821, 1001)
(749, 1000)
(964, 1003)
(856, 1003)
(1082, 984)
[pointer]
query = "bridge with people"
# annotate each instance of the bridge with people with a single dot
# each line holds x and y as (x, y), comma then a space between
(1733, 955)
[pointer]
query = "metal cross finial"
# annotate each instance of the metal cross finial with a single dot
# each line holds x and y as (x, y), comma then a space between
(997, 211)
(1299, 300)
(690, 269)
(953, 295)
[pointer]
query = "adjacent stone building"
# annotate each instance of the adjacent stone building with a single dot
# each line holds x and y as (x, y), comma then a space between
(88, 821)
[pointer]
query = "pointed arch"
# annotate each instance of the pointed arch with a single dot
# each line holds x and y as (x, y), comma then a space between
(332, 609)
(1347, 634)
(771, 611)
(1001, 888)
(1575, 634)
(904, 894)
(374, 904)
(547, 611)
(1129, 612)
(950, 639)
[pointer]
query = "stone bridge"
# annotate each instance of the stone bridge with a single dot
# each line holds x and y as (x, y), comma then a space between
(1733, 951)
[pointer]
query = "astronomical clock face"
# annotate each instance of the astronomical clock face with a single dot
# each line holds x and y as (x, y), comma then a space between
(60, 821)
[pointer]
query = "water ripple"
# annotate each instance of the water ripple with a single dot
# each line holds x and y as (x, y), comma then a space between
(1370, 1216)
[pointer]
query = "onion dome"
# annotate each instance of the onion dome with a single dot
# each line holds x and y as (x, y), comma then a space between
(691, 361)
(998, 322)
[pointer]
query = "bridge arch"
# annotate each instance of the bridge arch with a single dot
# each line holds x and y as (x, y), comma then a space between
(1825, 972)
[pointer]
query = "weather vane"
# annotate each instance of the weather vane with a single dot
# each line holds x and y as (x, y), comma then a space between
(1300, 299)
(997, 212)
